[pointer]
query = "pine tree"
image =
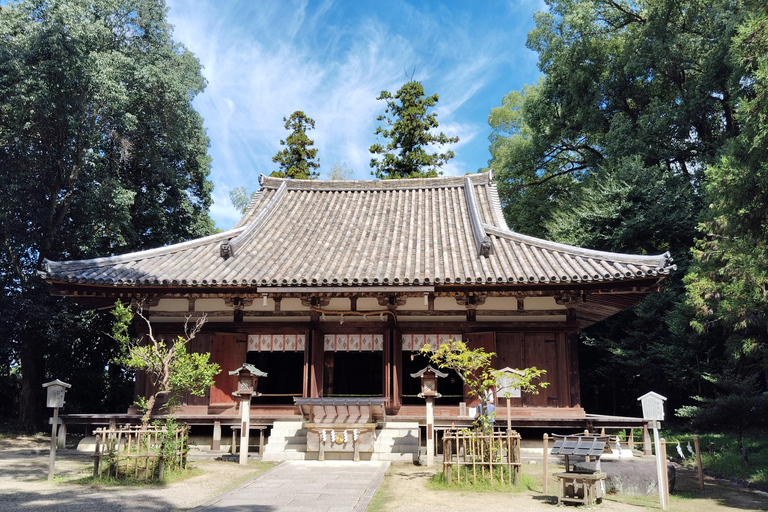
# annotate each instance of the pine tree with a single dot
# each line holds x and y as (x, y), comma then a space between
(297, 160)
(409, 130)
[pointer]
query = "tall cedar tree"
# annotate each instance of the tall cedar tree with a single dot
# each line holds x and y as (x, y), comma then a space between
(101, 153)
(409, 130)
(612, 149)
(297, 160)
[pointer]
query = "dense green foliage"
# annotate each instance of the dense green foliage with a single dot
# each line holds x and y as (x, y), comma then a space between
(101, 153)
(726, 457)
(171, 370)
(647, 132)
(408, 126)
(297, 160)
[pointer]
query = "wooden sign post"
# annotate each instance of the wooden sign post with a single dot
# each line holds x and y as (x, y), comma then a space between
(55, 399)
(508, 386)
(653, 410)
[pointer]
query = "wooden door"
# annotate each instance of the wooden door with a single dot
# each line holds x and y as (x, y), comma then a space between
(229, 352)
(540, 350)
(509, 353)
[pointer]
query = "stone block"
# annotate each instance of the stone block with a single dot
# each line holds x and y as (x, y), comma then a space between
(635, 477)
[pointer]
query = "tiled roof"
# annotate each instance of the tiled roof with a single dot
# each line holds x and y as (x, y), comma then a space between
(447, 230)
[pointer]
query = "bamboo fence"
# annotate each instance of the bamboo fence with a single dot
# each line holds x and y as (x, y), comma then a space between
(491, 456)
(139, 452)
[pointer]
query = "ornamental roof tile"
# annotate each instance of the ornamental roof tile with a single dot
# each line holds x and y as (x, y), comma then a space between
(447, 230)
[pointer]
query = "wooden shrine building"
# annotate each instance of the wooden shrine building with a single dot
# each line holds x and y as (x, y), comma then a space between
(332, 287)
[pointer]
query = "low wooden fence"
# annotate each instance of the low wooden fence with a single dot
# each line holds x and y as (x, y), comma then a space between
(140, 453)
(473, 454)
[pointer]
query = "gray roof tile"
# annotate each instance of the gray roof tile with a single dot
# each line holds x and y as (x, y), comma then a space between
(336, 233)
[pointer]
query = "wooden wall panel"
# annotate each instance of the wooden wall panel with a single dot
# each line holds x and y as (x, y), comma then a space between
(229, 353)
(509, 352)
(200, 344)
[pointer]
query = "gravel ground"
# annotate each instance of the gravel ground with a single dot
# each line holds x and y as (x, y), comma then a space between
(24, 485)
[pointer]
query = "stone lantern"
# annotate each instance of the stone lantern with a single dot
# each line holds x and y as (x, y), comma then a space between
(429, 392)
(247, 379)
(429, 381)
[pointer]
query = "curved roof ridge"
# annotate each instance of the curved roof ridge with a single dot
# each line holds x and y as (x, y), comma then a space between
(482, 178)
(256, 223)
(51, 266)
(661, 260)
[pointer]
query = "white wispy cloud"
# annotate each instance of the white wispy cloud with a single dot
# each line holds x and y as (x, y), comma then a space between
(263, 60)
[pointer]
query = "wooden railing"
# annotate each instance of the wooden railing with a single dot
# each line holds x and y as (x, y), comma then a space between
(138, 452)
(471, 454)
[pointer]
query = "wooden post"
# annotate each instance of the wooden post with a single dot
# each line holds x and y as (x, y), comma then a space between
(245, 408)
(509, 414)
(664, 474)
(698, 462)
(546, 453)
(62, 436)
(646, 440)
(661, 464)
(430, 431)
(631, 439)
(52, 456)
(216, 446)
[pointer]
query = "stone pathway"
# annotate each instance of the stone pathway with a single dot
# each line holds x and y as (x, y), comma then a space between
(296, 486)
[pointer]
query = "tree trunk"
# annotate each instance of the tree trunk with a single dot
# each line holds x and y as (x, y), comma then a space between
(32, 376)
(148, 412)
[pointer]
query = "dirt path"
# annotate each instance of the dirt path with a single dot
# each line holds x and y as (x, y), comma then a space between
(405, 489)
(24, 485)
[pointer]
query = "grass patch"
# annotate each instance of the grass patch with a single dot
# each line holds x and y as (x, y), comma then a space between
(440, 483)
(726, 458)
(169, 477)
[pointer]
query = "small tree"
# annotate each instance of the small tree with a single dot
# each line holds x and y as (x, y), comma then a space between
(475, 369)
(409, 130)
(738, 405)
(340, 171)
(171, 370)
(297, 160)
(240, 198)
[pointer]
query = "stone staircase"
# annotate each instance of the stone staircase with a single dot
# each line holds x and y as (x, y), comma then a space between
(287, 441)
(395, 441)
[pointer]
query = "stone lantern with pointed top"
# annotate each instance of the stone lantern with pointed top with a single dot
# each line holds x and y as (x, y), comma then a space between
(429, 392)
(429, 378)
(247, 379)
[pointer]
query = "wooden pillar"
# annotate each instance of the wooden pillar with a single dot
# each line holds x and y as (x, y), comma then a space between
(62, 437)
(216, 446)
(316, 364)
(646, 440)
(430, 431)
(245, 407)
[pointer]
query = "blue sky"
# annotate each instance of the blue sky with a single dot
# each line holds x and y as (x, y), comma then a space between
(265, 59)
